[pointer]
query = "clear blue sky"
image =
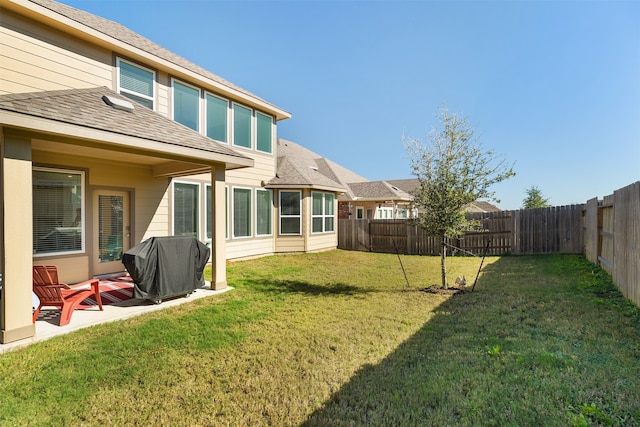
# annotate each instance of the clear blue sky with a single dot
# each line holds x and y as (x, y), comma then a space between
(554, 86)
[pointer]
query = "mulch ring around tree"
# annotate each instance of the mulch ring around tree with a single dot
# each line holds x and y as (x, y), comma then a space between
(451, 290)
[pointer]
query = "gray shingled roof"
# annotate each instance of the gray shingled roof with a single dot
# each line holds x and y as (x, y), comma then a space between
(298, 166)
(85, 107)
(377, 190)
(125, 35)
(406, 185)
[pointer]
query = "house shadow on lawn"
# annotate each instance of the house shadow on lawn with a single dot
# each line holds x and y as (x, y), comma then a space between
(298, 286)
(458, 369)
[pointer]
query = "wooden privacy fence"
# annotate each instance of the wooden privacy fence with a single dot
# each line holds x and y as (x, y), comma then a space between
(612, 237)
(531, 231)
(607, 231)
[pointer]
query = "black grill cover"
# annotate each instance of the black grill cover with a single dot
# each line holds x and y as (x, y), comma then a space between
(162, 267)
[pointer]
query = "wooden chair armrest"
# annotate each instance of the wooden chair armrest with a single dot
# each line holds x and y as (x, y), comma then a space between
(81, 284)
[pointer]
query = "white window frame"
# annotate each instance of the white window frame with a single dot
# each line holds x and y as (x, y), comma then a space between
(83, 203)
(173, 101)
(250, 210)
(122, 90)
(323, 215)
(199, 208)
(208, 193)
(227, 212)
(228, 124)
(280, 216)
(359, 212)
(257, 233)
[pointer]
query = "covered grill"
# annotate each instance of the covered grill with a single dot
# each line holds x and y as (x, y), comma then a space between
(164, 267)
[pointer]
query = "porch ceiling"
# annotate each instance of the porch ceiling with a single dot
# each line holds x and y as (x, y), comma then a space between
(161, 166)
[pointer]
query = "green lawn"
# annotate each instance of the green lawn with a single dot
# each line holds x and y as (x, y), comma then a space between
(338, 338)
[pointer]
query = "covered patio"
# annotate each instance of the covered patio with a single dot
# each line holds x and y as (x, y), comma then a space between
(114, 309)
(92, 155)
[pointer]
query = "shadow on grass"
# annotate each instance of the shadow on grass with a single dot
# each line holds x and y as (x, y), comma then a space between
(298, 286)
(510, 353)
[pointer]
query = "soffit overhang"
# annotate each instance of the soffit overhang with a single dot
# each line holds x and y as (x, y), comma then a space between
(166, 156)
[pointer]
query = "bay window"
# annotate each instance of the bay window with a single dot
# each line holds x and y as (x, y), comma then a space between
(322, 212)
(290, 212)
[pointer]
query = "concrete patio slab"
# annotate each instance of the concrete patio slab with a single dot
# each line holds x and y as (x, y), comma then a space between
(46, 329)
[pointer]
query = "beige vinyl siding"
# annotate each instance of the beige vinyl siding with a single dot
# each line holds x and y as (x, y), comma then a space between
(288, 244)
(263, 170)
(37, 58)
(249, 248)
(322, 242)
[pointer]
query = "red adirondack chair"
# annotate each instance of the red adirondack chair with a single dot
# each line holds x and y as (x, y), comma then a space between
(53, 293)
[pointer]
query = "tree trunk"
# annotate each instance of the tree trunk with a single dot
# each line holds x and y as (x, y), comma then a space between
(443, 263)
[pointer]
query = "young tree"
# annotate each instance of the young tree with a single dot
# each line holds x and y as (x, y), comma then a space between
(534, 199)
(453, 170)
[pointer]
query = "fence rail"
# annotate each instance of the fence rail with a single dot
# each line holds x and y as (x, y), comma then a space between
(607, 231)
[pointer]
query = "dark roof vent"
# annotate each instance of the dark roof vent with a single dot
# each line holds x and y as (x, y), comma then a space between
(117, 103)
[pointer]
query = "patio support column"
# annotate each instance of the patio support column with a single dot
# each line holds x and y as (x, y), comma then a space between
(17, 239)
(218, 225)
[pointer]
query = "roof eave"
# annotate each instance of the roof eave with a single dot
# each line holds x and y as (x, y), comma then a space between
(46, 126)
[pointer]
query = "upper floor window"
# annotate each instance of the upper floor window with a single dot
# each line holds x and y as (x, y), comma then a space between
(186, 105)
(322, 213)
(241, 126)
(136, 83)
(58, 217)
(217, 117)
(264, 132)
(290, 212)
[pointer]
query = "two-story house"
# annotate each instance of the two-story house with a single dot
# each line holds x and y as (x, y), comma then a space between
(108, 139)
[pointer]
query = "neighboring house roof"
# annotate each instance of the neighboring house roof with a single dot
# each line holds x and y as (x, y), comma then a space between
(406, 185)
(135, 40)
(87, 109)
(299, 167)
(377, 191)
(481, 206)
